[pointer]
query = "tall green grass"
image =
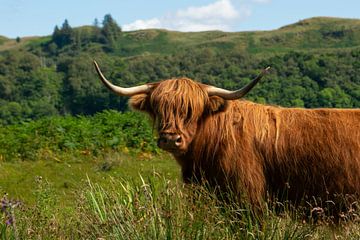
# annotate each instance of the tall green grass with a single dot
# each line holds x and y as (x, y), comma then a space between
(161, 209)
(154, 207)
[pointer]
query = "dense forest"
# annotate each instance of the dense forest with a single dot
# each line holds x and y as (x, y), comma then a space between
(315, 63)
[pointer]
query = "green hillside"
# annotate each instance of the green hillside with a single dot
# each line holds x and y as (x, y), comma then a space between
(314, 33)
(2, 39)
(315, 63)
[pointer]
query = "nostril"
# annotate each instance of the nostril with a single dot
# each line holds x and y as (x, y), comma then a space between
(178, 140)
(169, 140)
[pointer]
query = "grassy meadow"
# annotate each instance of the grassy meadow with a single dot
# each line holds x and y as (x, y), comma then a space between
(137, 198)
(111, 190)
(69, 169)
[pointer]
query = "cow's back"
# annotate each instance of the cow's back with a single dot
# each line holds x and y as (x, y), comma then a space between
(315, 153)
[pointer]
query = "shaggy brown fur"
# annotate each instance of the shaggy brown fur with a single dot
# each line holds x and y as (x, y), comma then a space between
(256, 149)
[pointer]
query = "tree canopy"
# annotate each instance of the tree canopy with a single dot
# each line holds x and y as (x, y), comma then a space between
(55, 76)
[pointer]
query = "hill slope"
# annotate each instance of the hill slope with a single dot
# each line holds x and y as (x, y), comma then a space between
(313, 33)
(315, 63)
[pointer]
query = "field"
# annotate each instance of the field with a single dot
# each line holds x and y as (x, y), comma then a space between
(136, 198)
(70, 169)
(67, 191)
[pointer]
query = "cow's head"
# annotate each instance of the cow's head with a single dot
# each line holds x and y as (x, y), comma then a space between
(177, 105)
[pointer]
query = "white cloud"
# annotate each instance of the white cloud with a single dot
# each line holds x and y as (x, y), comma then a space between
(222, 9)
(218, 15)
(143, 24)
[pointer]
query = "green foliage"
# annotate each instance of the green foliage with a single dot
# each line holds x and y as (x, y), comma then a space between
(63, 36)
(66, 38)
(111, 32)
(28, 90)
(315, 63)
(82, 135)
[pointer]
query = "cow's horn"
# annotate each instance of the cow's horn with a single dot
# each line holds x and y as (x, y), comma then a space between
(130, 91)
(231, 95)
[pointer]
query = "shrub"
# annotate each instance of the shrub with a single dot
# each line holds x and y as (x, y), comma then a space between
(108, 130)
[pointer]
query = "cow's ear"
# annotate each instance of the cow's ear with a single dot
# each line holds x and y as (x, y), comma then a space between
(140, 102)
(216, 104)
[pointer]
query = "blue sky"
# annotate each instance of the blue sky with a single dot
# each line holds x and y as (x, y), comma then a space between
(39, 17)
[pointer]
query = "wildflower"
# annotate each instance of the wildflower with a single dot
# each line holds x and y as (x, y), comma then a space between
(7, 208)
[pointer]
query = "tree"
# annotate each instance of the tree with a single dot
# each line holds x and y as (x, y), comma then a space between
(111, 31)
(56, 36)
(67, 32)
(96, 23)
(96, 31)
(63, 36)
(334, 97)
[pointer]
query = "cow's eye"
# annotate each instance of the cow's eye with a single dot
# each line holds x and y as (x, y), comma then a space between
(188, 115)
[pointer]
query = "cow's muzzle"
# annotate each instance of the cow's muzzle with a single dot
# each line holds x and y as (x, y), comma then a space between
(170, 141)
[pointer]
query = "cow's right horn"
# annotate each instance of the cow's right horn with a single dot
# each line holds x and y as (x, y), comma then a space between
(128, 92)
(231, 95)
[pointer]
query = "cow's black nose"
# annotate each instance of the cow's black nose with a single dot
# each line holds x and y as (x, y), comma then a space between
(168, 141)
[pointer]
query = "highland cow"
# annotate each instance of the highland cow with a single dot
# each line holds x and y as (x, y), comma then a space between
(250, 148)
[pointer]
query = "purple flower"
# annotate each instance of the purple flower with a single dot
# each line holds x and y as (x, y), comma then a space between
(9, 221)
(7, 208)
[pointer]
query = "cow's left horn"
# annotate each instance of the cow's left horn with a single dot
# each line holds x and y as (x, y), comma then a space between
(231, 95)
(130, 91)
